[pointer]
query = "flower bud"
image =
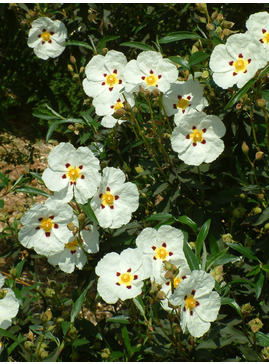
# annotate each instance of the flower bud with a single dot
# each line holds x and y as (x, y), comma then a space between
(28, 345)
(266, 226)
(70, 68)
(265, 353)
(257, 210)
(209, 27)
(246, 309)
(239, 212)
(167, 265)
(255, 325)
(76, 76)
(259, 155)
(242, 195)
(261, 103)
(81, 70)
(105, 353)
(227, 238)
(168, 275)
(192, 244)
(3, 293)
(73, 59)
(46, 316)
(227, 32)
(219, 30)
(104, 51)
(161, 295)
(260, 196)
(227, 24)
(214, 15)
(219, 18)
(202, 7)
(156, 92)
(49, 292)
(217, 273)
(154, 288)
(245, 148)
(13, 272)
(205, 74)
(70, 226)
(82, 217)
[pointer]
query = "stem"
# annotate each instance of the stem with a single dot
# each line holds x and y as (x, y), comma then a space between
(251, 114)
(267, 127)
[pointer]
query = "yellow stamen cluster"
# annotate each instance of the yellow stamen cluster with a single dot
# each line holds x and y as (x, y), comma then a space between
(112, 80)
(46, 224)
(182, 104)
(45, 36)
(240, 65)
(151, 80)
(265, 38)
(190, 302)
(126, 279)
(118, 105)
(73, 173)
(197, 135)
(161, 253)
(107, 198)
(72, 245)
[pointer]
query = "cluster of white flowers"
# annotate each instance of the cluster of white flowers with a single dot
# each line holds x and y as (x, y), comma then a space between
(237, 61)
(121, 277)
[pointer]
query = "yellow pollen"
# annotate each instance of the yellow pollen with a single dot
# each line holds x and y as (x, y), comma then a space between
(197, 135)
(73, 173)
(72, 245)
(126, 278)
(46, 224)
(45, 36)
(182, 104)
(177, 281)
(107, 199)
(118, 106)
(190, 302)
(265, 38)
(161, 253)
(151, 80)
(112, 80)
(240, 65)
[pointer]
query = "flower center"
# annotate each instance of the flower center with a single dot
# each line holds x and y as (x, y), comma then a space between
(73, 173)
(72, 245)
(161, 253)
(151, 80)
(45, 36)
(182, 104)
(265, 38)
(118, 105)
(176, 282)
(107, 198)
(112, 80)
(240, 65)
(3, 293)
(190, 302)
(46, 224)
(197, 135)
(126, 278)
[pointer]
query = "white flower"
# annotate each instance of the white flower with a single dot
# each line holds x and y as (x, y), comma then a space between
(197, 138)
(9, 305)
(184, 272)
(122, 275)
(258, 28)
(115, 108)
(115, 199)
(47, 37)
(45, 227)
(164, 244)
(150, 71)
(183, 98)
(105, 76)
(72, 172)
(199, 305)
(73, 254)
(237, 61)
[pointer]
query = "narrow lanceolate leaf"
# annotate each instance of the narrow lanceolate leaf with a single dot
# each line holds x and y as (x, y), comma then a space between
(31, 191)
(174, 37)
(191, 258)
(263, 217)
(262, 339)
(202, 236)
(198, 57)
(120, 319)
(78, 43)
(244, 251)
(188, 221)
(181, 61)
(138, 45)
(259, 285)
(238, 95)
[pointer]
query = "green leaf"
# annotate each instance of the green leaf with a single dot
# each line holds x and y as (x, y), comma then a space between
(188, 221)
(126, 340)
(2, 204)
(263, 217)
(265, 267)
(4, 179)
(161, 216)
(238, 95)
(65, 325)
(31, 190)
(215, 257)
(140, 305)
(78, 43)
(79, 302)
(231, 302)
(183, 63)
(19, 267)
(89, 212)
(191, 258)
(242, 250)
(216, 40)
(7, 334)
(59, 122)
(121, 319)
(262, 339)
(42, 116)
(259, 285)
(54, 355)
(80, 342)
(198, 57)
(174, 37)
(254, 271)
(202, 236)
(138, 45)
(214, 248)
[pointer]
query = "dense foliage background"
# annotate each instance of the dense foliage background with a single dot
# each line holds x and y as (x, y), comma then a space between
(225, 202)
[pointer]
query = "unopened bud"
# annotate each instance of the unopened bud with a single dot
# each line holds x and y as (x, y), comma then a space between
(154, 288)
(255, 325)
(246, 309)
(28, 345)
(119, 113)
(49, 292)
(266, 226)
(81, 70)
(104, 51)
(168, 274)
(257, 210)
(174, 269)
(161, 295)
(214, 15)
(3, 293)
(205, 74)
(209, 27)
(194, 49)
(46, 316)
(242, 195)
(13, 272)
(217, 273)
(259, 155)
(70, 68)
(167, 265)
(105, 353)
(73, 59)
(245, 148)
(219, 30)
(202, 7)
(70, 127)
(134, 110)
(156, 92)
(192, 245)
(227, 32)
(261, 103)
(239, 212)
(227, 238)
(76, 76)
(265, 353)
(227, 24)
(219, 18)
(82, 217)
(70, 226)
